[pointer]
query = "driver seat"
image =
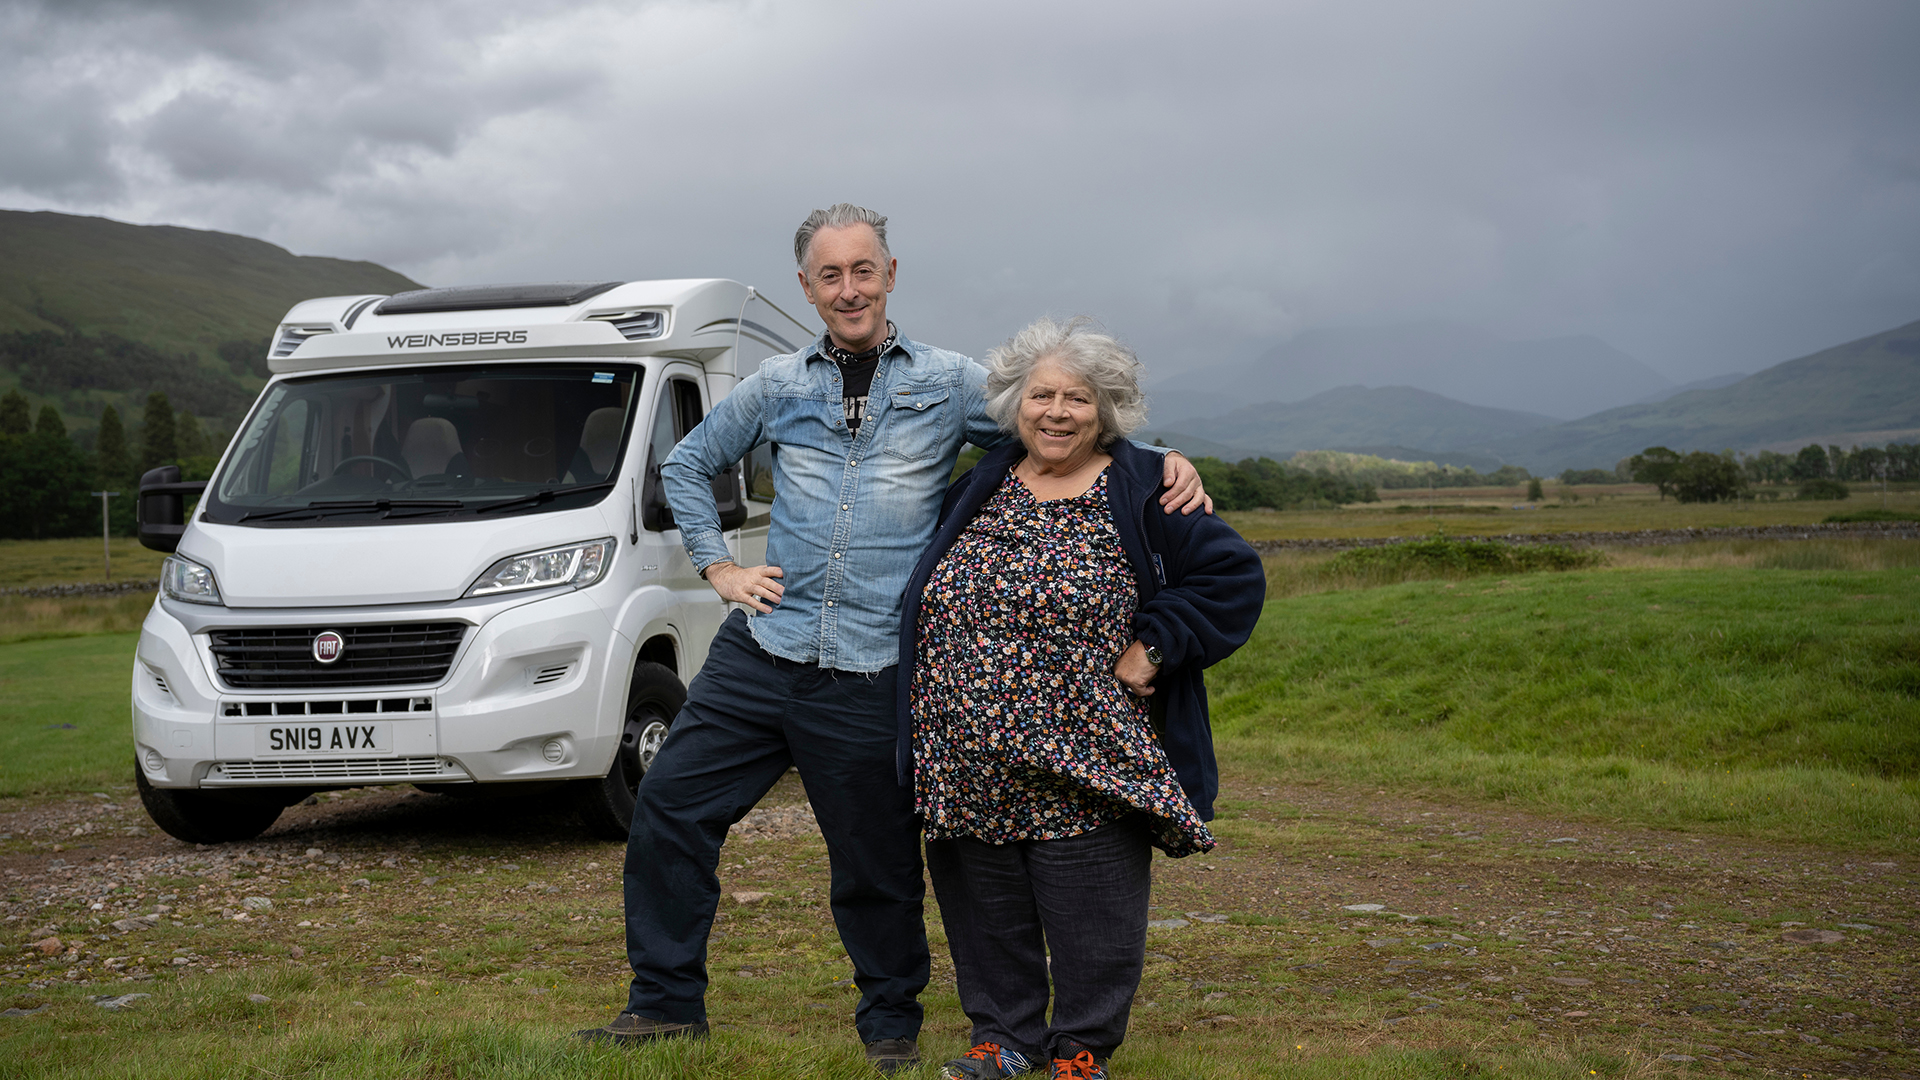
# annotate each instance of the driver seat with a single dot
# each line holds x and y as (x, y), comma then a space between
(432, 447)
(599, 439)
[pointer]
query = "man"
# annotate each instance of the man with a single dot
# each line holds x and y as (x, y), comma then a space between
(866, 426)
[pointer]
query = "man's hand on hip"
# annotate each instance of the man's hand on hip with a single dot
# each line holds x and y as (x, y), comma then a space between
(1184, 492)
(757, 587)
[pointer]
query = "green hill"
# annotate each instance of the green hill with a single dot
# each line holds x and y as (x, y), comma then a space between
(94, 311)
(1868, 387)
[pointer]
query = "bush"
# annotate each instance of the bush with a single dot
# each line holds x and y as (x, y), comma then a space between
(1821, 488)
(1442, 556)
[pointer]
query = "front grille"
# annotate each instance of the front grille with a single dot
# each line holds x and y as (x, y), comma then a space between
(347, 770)
(377, 706)
(269, 658)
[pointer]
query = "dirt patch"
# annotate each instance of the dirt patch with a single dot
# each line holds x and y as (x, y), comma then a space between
(1377, 919)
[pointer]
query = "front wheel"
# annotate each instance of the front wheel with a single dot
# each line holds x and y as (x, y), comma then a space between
(206, 817)
(654, 698)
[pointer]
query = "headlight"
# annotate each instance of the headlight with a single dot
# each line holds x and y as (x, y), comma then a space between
(184, 579)
(578, 565)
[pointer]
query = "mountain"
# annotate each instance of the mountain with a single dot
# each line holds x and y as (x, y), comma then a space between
(94, 311)
(1352, 416)
(1870, 386)
(1560, 377)
(1714, 383)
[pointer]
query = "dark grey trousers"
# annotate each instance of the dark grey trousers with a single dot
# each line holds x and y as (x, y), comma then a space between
(748, 716)
(1006, 907)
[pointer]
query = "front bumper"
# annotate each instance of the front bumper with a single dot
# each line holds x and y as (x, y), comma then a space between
(534, 693)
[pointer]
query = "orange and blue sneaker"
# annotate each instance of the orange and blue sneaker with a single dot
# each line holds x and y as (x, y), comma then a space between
(1080, 1065)
(988, 1061)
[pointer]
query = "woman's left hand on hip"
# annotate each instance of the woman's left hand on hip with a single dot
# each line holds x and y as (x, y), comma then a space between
(1135, 671)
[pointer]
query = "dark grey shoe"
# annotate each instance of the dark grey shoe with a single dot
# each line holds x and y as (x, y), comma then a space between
(890, 1056)
(629, 1028)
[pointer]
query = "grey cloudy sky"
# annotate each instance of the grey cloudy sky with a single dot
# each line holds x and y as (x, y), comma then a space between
(1709, 185)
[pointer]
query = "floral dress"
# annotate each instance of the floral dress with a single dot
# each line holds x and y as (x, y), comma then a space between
(1021, 730)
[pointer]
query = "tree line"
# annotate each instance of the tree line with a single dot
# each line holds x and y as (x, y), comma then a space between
(46, 479)
(1263, 482)
(1818, 472)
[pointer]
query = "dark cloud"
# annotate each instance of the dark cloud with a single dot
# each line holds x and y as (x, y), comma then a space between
(1709, 186)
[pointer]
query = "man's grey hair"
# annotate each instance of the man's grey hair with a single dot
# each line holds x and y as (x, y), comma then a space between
(838, 216)
(1110, 369)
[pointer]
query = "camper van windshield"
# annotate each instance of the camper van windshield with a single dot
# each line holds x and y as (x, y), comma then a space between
(428, 444)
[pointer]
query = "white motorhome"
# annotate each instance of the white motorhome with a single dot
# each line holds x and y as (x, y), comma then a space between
(437, 553)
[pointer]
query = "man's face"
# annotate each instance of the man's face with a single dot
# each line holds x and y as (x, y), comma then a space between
(847, 280)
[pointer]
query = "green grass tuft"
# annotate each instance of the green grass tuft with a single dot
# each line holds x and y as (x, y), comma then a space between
(1781, 704)
(1441, 556)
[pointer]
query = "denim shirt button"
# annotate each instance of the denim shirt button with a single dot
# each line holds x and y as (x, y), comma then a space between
(855, 464)
(836, 554)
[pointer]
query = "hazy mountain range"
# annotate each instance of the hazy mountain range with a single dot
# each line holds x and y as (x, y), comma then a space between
(1562, 377)
(190, 312)
(1864, 391)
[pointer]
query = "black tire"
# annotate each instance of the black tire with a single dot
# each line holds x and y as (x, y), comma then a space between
(208, 817)
(654, 697)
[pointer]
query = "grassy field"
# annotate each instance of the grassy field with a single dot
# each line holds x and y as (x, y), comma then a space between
(1419, 743)
(1491, 511)
(64, 714)
(1781, 703)
(72, 561)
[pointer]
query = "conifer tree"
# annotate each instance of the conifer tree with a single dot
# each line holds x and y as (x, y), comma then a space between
(110, 448)
(15, 417)
(50, 423)
(159, 448)
(188, 437)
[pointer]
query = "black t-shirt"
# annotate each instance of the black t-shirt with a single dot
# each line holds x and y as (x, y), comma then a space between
(856, 379)
(856, 375)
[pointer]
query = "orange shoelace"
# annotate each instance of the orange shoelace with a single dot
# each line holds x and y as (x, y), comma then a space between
(1080, 1066)
(985, 1052)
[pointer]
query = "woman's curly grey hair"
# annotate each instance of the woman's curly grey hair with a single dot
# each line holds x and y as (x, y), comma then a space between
(1110, 369)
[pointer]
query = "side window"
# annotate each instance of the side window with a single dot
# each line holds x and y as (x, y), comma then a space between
(678, 412)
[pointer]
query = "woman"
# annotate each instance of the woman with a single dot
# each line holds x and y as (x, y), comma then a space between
(1052, 711)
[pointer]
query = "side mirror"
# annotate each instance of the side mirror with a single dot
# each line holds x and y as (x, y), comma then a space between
(729, 498)
(161, 509)
(655, 514)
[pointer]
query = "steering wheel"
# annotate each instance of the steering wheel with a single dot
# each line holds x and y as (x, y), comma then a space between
(397, 469)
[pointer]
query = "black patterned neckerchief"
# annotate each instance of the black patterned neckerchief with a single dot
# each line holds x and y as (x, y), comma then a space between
(841, 356)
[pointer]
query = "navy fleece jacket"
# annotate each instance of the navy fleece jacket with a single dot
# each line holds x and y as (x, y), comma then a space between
(1201, 588)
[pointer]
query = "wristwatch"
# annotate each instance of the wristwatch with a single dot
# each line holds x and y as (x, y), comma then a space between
(1155, 656)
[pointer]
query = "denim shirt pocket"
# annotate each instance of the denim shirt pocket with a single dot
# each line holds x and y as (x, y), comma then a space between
(916, 421)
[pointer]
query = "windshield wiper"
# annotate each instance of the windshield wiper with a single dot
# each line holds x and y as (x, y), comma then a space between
(353, 506)
(546, 495)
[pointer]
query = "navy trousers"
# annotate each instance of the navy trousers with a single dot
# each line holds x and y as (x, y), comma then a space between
(749, 716)
(1079, 902)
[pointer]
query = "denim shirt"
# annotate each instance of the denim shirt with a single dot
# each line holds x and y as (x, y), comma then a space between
(852, 512)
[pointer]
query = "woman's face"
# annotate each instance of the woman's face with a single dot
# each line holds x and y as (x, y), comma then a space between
(1059, 421)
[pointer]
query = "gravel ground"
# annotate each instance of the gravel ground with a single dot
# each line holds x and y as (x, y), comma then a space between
(1391, 919)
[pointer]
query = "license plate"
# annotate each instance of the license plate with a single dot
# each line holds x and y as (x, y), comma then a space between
(303, 739)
